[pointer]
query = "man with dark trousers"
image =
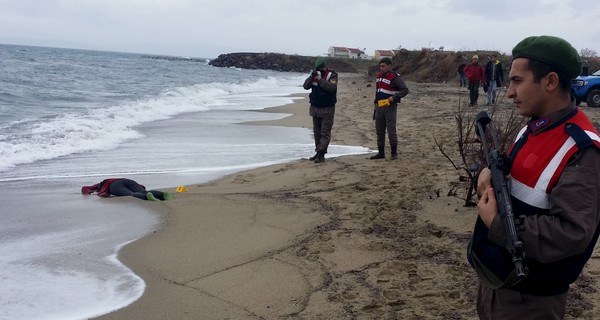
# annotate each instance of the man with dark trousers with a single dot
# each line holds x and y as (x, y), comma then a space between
(323, 85)
(390, 88)
(476, 76)
(553, 183)
(494, 75)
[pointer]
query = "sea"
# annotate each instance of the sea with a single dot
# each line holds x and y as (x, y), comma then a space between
(70, 118)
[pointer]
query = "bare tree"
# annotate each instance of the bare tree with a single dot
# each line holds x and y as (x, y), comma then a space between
(469, 151)
(588, 53)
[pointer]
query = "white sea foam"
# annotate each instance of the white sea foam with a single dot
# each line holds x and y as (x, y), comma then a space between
(57, 263)
(35, 291)
(104, 128)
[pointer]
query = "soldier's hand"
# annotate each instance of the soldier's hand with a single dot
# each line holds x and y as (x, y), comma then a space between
(484, 181)
(488, 206)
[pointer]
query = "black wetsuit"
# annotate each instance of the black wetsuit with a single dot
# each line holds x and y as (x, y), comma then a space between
(128, 187)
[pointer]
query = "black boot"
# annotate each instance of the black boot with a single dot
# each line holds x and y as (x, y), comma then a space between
(313, 157)
(320, 157)
(380, 154)
(394, 153)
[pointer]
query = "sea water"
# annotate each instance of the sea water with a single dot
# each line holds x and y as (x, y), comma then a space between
(70, 118)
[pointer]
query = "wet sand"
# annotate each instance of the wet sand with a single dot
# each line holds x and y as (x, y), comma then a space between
(351, 238)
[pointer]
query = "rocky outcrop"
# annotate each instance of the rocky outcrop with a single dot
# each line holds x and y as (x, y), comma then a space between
(278, 62)
(423, 65)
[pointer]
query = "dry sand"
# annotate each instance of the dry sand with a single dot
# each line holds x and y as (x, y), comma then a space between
(348, 239)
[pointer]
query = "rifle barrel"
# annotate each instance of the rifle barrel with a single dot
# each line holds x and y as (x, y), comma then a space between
(495, 163)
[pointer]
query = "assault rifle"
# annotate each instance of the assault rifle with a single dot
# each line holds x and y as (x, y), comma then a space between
(496, 164)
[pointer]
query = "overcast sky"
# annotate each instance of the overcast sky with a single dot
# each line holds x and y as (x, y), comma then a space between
(207, 28)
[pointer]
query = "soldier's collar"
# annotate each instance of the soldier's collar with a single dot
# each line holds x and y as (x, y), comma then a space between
(540, 124)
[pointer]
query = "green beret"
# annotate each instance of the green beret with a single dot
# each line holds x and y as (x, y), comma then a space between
(386, 60)
(319, 63)
(551, 50)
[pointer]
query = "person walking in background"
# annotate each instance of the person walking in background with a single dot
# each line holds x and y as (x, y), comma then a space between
(120, 187)
(554, 184)
(462, 79)
(476, 76)
(323, 96)
(390, 89)
(494, 75)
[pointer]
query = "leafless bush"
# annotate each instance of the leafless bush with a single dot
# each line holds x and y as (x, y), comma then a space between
(588, 53)
(469, 157)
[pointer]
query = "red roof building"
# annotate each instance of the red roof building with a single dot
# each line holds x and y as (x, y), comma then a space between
(384, 53)
(344, 52)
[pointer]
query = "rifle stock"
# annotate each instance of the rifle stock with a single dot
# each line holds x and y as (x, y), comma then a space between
(496, 164)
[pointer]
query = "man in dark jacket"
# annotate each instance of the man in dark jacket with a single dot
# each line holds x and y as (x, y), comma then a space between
(390, 89)
(554, 184)
(323, 85)
(462, 79)
(494, 75)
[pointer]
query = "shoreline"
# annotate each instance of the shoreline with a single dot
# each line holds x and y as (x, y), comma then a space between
(345, 239)
(297, 110)
(297, 117)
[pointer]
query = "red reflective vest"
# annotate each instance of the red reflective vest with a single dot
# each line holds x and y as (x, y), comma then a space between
(540, 162)
(384, 85)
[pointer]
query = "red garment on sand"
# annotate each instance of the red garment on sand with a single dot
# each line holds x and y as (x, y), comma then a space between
(101, 188)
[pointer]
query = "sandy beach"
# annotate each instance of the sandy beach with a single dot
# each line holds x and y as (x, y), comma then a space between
(351, 238)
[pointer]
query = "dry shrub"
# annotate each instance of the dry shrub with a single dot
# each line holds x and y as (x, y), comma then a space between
(471, 159)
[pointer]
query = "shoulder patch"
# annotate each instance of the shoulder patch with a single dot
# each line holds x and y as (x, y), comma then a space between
(539, 124)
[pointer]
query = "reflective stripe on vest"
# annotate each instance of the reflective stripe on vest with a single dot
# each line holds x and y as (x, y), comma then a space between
(531, 181)
(384, 84)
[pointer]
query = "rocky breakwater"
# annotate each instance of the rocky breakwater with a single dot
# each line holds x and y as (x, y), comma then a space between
(278, 62)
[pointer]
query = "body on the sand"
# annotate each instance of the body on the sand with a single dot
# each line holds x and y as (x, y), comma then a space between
(323, 96)
(120, 187)
(390, 89)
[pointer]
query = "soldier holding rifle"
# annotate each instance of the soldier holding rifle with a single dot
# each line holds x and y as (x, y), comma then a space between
(553, 181)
